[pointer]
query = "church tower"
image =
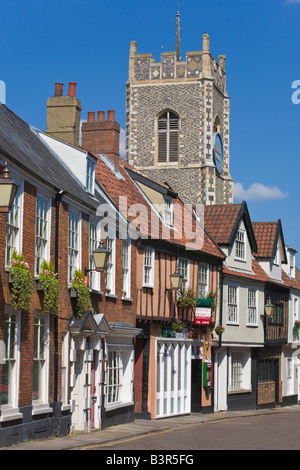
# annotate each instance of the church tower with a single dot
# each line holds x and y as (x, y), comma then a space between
(177, 122)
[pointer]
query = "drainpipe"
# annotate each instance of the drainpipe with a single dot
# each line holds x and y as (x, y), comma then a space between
(58, 199)
(221, 300)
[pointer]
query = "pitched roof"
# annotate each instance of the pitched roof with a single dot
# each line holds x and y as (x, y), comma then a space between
(258, 274)
(22, 147)
(222, 221)
(290, 282)
(267, 235)
(117, 179)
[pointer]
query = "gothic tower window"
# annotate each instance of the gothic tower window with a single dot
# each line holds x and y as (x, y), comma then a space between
(217, 125)
(168, 136)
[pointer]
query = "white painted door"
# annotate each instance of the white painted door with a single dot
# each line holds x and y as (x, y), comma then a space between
(173, 377)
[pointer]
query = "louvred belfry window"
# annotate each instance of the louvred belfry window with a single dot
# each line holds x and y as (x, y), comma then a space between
(168, 127)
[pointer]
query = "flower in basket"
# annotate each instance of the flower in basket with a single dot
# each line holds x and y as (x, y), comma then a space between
(178, 325)
(219, 329)
(83, 293)
(186, 299)
(50, 286)
(21, 282)
(296, 328)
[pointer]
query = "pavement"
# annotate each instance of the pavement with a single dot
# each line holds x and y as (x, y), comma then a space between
(139, 427)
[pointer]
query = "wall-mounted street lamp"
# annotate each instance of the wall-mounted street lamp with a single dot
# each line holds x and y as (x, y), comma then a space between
(100, 255)
(269, 308)
(176, 281)
(8, 190)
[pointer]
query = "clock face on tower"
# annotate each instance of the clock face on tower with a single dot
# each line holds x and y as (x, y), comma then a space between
(218, 154)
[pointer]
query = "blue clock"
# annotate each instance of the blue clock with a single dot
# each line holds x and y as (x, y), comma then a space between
(218, 153)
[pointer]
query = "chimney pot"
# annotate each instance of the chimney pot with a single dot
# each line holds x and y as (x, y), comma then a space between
(59, 89)
(100, 115)
(110, 115)
(91, 116)
(72, 89)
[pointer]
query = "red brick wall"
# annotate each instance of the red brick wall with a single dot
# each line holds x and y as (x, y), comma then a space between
(101, 137)
(115, 309)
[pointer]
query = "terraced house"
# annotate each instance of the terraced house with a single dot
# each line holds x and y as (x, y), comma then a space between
(59, 370)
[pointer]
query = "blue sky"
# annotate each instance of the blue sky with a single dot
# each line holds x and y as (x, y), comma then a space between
(87, 41)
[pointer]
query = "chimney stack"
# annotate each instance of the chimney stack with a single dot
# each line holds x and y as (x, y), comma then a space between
(101, 136)
(63, 115)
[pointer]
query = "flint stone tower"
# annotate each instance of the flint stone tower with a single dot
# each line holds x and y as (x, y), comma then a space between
(177, 123)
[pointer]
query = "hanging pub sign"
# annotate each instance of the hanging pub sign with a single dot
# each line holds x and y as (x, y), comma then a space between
(202, 316)
(203, 311)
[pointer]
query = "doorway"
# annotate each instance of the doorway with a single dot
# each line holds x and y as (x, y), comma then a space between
(196, 385)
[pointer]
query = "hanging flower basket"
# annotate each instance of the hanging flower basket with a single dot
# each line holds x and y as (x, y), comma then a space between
(296, 329)
(186, 299)
(21, 285)
(49, 284)
(178, 326)
(83, 297)
(219, 329)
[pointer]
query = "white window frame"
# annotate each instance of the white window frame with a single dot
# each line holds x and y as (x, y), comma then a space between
(184, 269)
(296, 308)
(11, 317)
(44, 238)
(168, 210)
(126, 268)
(203, 279)
(232, 295)
(111, 266)
(90, 176)
(64, 367)
(239, 370)
(252, 317)
(119, 378)
(74, 248)
(149, 261)
(94, 276)
(41, 357)
(240, 245)
(15, 227)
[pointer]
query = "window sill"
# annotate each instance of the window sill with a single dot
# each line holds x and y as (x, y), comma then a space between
(65, 407)
(95, 291)
(113, 406)
(127, 299)
(148, 286)
(242, 390)
(111, 296)
(41, 409)
(10, 415)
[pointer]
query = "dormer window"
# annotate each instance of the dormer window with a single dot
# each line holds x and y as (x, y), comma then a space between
(90, 176)
(240, 251)
(168, 210)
